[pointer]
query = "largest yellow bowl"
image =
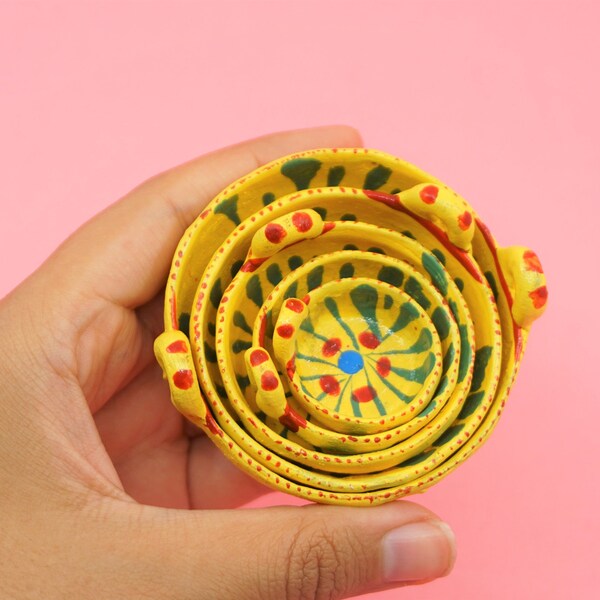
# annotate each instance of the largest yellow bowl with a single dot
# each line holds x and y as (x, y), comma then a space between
(344, 327)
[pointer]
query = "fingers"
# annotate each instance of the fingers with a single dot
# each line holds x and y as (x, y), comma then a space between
(215, 482)
(124, 253)
(157, 463)
(286, 553)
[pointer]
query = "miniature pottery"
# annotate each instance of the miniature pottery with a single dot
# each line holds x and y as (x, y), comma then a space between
(344, 327)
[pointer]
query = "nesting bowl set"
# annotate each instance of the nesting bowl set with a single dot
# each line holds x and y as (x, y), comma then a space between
(344, 327)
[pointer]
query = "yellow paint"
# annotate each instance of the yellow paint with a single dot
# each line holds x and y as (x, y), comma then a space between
(373, 383)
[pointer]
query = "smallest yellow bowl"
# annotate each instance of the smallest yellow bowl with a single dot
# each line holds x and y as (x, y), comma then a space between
(365, 352)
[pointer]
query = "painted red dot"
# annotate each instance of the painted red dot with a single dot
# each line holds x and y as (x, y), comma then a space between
(389, 199)
(384, 366)
(262, 329)
(275, 233)
(539, 296)
(369, 340)
(429, 194)
(302, 221)
(177, 347)
(212, 424)
(290, 367)
(292, 420)
(532, 262)
(269, 381)
(286, 330)
(329, 385)
(257, 357)
(252, 264)
(296, 305)
(183, 379)
(364, 394)
(465, 220)
(331, 347)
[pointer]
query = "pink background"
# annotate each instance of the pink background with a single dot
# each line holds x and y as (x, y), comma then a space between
(499, 100)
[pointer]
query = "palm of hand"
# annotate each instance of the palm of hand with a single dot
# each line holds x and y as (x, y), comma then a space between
(144, 436)
(160, 458)
(137, 445)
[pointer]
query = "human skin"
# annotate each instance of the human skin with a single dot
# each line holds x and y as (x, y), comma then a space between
(106, 491)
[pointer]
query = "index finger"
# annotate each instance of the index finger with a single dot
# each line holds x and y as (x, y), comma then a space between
(124, 253)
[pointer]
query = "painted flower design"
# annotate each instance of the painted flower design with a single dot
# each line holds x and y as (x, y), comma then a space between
(364, 354)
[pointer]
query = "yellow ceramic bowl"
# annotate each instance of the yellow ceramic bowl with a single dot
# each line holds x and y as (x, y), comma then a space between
(344, 327)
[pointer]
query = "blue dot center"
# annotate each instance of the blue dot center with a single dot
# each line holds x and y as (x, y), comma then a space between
(350, 362)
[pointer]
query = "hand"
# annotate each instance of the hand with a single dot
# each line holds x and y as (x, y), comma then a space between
(97, 467)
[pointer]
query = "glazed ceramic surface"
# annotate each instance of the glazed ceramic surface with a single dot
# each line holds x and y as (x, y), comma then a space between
(344, 327)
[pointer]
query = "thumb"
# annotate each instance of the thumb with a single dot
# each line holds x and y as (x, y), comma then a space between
(286, 553)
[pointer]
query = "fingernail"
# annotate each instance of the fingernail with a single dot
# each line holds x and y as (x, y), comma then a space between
(416, 551)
